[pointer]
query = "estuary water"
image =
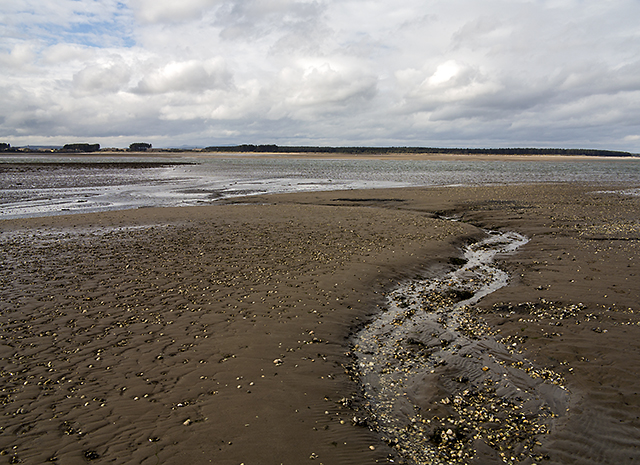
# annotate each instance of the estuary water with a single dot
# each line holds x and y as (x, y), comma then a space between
(45, 185)
(492, 391)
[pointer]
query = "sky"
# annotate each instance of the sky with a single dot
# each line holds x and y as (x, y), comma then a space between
(451, 73)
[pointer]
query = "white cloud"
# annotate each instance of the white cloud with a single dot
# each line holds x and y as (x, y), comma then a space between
(64, 53)
(187, 76)
(445, 73)
(20, 55)
(101, 78)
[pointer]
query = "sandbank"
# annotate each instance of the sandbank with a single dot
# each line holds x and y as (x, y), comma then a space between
(221, 334)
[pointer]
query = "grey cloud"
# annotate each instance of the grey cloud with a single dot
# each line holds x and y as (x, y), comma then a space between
(325, 86)
(308, 92)
(247, 19)
(171, 11)
(187, 76)
(477, 31)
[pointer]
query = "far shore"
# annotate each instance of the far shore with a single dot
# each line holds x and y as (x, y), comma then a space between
(198, 154)
(410, 156)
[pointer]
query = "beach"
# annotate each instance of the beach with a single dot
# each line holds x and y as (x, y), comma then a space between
(224, 334)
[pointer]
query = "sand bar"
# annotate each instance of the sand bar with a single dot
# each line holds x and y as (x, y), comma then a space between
(373, 156)
(221, 334)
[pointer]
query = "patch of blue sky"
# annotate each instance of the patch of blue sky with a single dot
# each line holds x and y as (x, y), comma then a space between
(99, 34)
(103, 33)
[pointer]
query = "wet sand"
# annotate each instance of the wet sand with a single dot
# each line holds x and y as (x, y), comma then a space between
(222, 334)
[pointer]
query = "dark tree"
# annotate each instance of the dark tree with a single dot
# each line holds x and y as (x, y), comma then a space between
(4, 147)
(81, 148)
(139, 147)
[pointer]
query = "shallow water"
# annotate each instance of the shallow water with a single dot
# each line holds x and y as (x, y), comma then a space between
(436, 381)
(63, 185)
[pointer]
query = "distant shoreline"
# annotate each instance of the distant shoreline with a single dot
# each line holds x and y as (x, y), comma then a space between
(200, 154)
(272, 150)
(381, 151)
(410, 156)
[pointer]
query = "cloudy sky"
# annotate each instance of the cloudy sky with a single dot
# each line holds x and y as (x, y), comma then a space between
(455, 73)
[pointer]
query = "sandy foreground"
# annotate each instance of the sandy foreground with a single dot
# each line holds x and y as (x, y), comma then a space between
(221, 334)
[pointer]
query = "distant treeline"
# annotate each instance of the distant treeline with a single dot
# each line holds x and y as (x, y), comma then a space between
(249, 148)
(74, 148)
(272, 148)
(135, 147)
(68, 148)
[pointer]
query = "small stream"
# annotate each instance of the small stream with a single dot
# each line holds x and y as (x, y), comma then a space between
(438, 386)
